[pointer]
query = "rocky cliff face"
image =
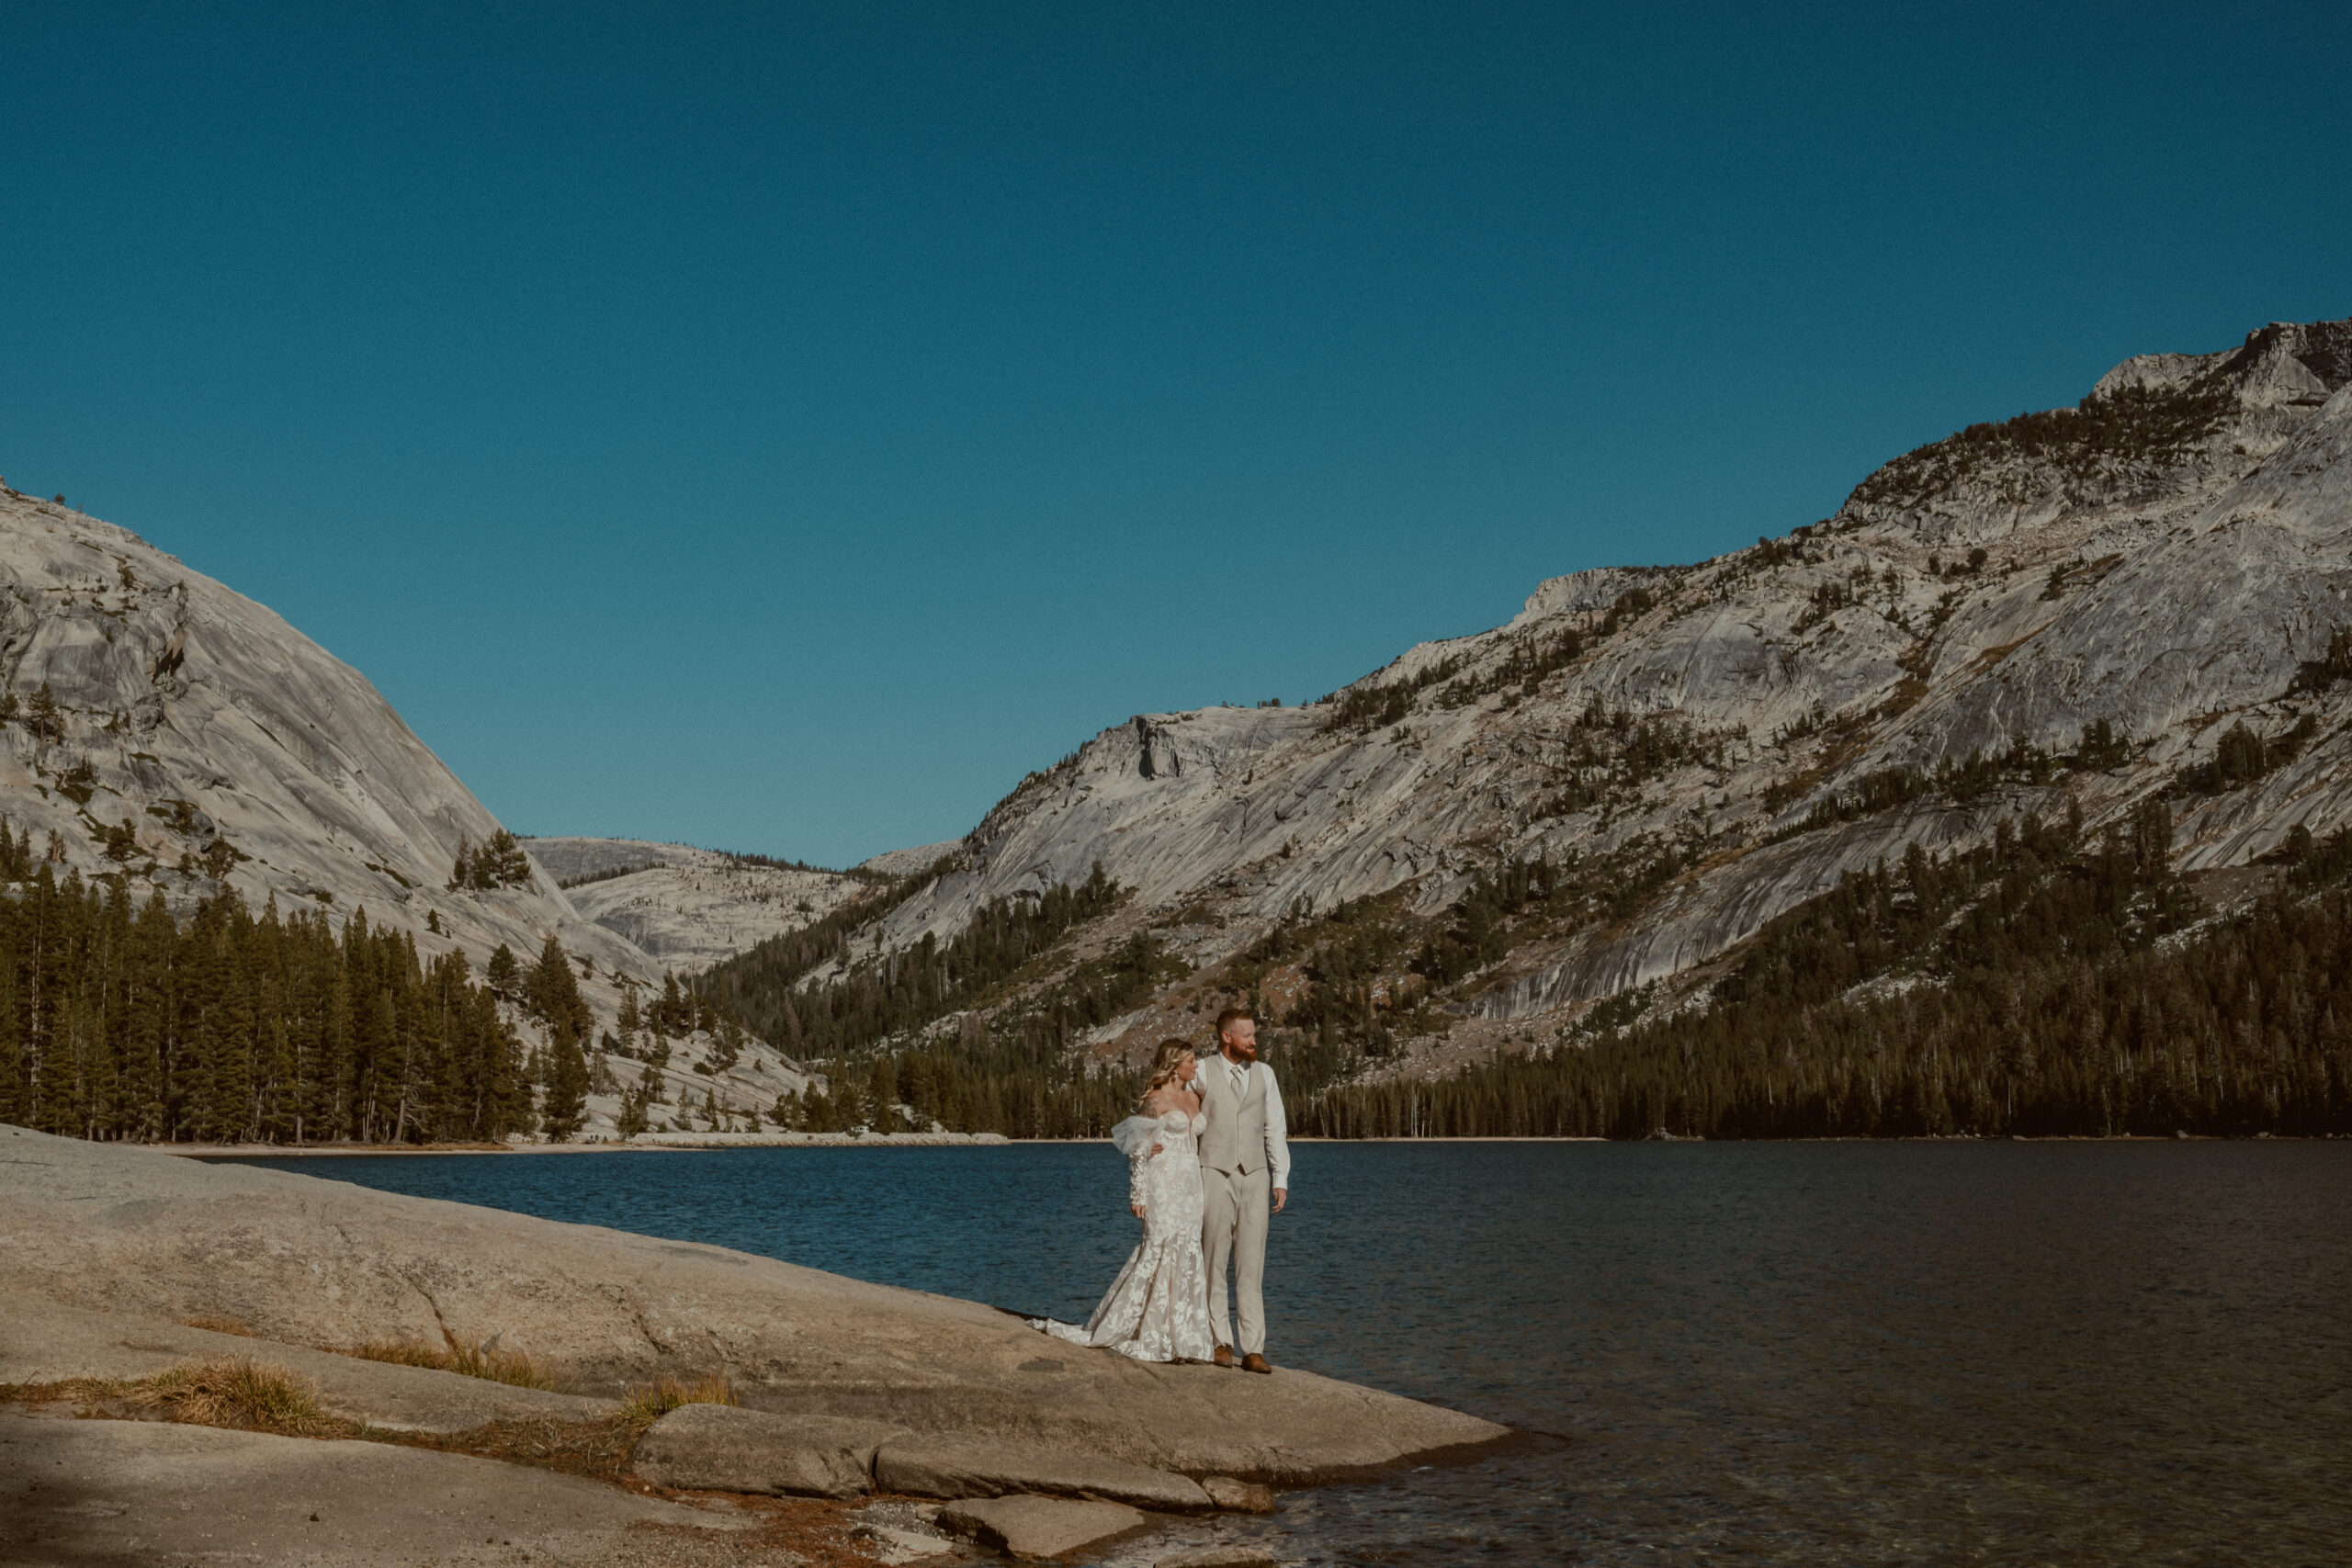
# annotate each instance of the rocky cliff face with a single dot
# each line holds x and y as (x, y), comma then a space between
(1723, 740)
(165, 729)
(197, 742)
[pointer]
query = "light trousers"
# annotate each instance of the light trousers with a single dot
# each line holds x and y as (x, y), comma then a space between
(1233, 1229)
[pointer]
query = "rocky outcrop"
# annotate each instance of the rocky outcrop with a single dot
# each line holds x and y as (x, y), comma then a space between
(1029, 1529)
(328, 1264)
(908, 861)
(720, 1448)
(1239, 1496)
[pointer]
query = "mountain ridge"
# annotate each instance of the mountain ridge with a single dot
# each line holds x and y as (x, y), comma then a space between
(2161, 564)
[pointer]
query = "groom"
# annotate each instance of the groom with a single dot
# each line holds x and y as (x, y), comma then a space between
(1244, 1154)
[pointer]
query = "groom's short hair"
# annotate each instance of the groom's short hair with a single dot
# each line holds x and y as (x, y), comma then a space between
(1231, 1016)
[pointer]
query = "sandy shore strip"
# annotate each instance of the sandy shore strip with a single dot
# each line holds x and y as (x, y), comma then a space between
(644, 1142)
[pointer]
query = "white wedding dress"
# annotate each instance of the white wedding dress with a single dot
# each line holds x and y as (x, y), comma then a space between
(1157, 1309)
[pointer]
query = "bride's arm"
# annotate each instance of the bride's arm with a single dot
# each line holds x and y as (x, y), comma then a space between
(1135, 1178)
(1138, 1138)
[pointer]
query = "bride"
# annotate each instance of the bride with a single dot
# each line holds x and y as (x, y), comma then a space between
(1157, 1309)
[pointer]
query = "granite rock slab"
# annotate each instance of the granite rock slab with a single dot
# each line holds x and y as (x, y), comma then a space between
(309, 1261)
(1239, 1496)
(41, 1341)
(109, 1494)
(722, 1448)
(1030, 1527)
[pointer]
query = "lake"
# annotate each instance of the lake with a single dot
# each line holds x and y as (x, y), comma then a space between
(2075, 1353)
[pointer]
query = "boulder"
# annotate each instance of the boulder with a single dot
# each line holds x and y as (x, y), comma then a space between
(1239, 1496)
(941, 1466)
(1039, 1526)
(720, 1448)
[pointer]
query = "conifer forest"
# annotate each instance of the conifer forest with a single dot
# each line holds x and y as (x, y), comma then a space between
(119, 1021)
(2050, 983)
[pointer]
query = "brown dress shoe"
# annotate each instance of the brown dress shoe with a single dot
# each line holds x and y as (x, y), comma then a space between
(1254, 1362)
(1224, 1355)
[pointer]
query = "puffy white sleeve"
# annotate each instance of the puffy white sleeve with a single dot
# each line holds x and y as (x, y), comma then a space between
(1134, 1138)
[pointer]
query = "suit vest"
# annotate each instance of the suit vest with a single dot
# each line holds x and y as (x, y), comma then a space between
(1235, 1138)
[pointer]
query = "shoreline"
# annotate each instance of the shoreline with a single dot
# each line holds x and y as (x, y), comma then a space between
(652, 1143)
(708, 1143)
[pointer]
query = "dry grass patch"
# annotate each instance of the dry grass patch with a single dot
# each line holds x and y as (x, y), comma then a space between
(218, 1326)
(249, 1395)
(649, 1405)
(254, 1395)
(599, 1449)
(486, 1361)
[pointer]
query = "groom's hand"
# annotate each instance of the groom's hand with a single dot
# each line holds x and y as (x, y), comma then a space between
(1138, 1209)
(1281, 1196)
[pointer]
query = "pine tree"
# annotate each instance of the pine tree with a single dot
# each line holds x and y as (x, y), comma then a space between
(551, 994)
(565, 1108)
(43, 717)
(505, 974)
(672, 1014)
(503, 862)
(632, 1118)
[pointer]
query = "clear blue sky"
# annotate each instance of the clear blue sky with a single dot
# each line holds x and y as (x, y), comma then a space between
(783, 427)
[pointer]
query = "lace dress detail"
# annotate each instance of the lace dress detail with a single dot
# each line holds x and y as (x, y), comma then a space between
(1157, 1309)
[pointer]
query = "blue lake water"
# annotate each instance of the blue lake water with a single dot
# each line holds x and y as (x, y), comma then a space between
(1772, 1353)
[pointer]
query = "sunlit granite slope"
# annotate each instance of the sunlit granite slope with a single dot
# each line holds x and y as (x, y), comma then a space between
(222, 748)
(2171, 558)
(687, 908)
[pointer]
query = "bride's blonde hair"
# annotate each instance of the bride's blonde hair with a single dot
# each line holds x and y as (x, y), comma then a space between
(1163, 1068)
